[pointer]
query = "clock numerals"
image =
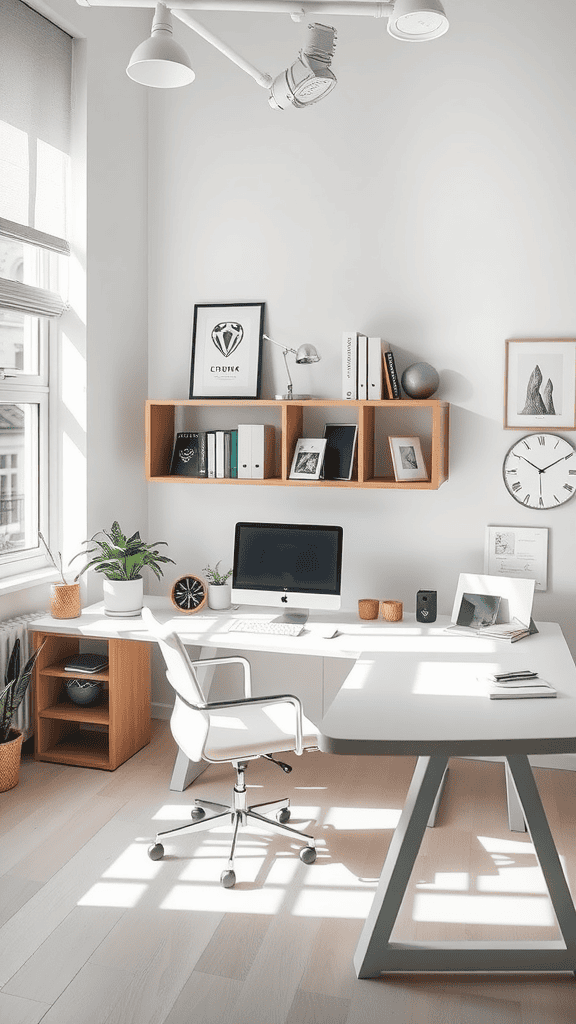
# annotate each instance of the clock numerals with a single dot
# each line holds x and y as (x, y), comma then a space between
(517, 486)
(541, 439)
(527, 499)
(568, 487)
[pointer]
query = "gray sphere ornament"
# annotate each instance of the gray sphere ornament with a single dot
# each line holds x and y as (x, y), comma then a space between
(420, 380)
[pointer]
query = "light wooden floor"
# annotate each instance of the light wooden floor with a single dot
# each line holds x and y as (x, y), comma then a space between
(93, 932)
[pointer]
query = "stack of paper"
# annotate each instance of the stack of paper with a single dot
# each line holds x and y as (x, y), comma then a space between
(515, 685)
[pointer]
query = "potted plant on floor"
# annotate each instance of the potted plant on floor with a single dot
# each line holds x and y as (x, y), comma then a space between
(121, 560)
(11, 696)
(218, 587)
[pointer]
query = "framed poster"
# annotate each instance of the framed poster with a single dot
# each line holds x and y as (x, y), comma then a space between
(407, 459)
(226, 350)
(340, 450)
(517, 551)
(308, 457)
(540, 388)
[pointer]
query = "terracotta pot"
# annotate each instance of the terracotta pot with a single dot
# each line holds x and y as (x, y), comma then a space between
(10, 761)
(65, 600)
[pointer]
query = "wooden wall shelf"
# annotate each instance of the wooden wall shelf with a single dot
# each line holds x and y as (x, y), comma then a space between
(376, 422)
(102, 735)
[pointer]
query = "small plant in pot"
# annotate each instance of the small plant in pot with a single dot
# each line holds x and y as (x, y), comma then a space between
(121, 559)
(64, 596)
(218, 587)
(16, 683)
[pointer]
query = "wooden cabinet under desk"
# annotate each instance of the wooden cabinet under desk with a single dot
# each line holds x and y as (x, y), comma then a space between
(377, 420)
(105, 734)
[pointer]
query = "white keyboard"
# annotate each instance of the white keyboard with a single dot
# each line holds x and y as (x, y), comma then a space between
(260, 626)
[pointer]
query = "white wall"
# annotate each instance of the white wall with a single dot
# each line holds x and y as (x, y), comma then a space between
(428, 199)
(100, 425)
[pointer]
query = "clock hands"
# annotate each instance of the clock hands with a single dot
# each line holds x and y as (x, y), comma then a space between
(531, 463)
(564, 457)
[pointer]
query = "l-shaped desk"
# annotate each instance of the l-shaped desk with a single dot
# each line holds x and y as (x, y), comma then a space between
(417, 690)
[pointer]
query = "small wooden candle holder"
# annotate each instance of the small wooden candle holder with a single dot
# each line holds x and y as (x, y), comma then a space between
(392, 611)
(368, 608)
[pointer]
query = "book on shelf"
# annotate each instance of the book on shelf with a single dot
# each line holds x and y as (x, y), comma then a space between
(234, 454)
(350, 365)
(211, 453)
(362, 371)
(392, 374)
(255, 451)
(189, 455)
(376, 370)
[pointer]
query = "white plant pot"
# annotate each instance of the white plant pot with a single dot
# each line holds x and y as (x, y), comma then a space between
(123, 598)
(219, 597)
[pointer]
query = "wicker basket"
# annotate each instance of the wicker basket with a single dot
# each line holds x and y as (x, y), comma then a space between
(368, 608)
(65, 600)
(10, 761)
(392, 611)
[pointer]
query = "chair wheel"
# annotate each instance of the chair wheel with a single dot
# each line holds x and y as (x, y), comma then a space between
(228, 879)
(308, 855)
(283, 815)
(156, 852)
(197, 813)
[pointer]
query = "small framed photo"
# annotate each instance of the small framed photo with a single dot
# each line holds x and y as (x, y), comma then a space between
(407, 459)
(308, 458)
(540, 390)
(226, 350)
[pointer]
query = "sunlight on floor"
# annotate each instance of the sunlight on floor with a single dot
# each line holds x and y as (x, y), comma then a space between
(498, 910)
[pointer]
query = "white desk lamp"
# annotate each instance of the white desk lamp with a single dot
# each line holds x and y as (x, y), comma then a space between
(305, 354)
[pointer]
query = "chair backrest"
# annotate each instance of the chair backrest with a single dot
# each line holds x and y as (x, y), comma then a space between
(189, 724)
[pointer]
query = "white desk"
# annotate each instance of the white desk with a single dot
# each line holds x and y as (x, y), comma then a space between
(438, 710)
(414, 689)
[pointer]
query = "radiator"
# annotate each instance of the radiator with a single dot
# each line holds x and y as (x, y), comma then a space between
(10, 630)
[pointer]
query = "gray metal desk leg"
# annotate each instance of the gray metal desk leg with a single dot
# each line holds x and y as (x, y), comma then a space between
(186, 771)
(516, 819)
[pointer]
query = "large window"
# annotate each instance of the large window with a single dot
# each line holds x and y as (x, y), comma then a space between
(35, 102)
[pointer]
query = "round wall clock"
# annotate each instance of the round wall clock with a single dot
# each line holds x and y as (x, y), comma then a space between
(189, 593)
(540, 470)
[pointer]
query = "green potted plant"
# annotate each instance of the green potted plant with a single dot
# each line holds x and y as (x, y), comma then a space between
(121, 559)
(11, 696)
(218, 587)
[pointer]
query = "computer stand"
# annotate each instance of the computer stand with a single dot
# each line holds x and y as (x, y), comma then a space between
(298, 616)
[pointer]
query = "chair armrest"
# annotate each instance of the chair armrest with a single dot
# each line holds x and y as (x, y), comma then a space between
(281, 698)
(230, 661)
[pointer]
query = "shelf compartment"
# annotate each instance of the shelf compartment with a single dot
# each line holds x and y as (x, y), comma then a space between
(83, 748)
(291, 421)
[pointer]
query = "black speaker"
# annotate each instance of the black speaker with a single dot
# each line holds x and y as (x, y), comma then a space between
(426, 606)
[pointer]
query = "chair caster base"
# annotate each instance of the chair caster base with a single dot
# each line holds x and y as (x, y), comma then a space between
(308, 855)
(283, 815)
(228, 879)
(156, 852)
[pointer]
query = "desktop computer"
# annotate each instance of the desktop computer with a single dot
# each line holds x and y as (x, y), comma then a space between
(290, 567)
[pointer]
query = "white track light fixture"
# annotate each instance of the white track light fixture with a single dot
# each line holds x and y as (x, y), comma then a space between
(309, 78)
(417, 21)
(160, 62)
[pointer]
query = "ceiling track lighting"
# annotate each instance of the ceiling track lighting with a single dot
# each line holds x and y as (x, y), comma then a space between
(160, 62)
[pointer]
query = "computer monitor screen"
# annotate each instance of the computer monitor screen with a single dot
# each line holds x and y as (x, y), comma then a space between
(287, 566)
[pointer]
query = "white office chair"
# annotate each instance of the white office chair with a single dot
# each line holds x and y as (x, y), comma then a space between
(234, 731)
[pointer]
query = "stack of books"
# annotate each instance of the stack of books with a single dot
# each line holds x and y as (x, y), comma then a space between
(518, 685)
(368, 368)
(245, 452)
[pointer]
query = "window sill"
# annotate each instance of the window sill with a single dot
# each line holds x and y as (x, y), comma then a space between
(22, 581)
